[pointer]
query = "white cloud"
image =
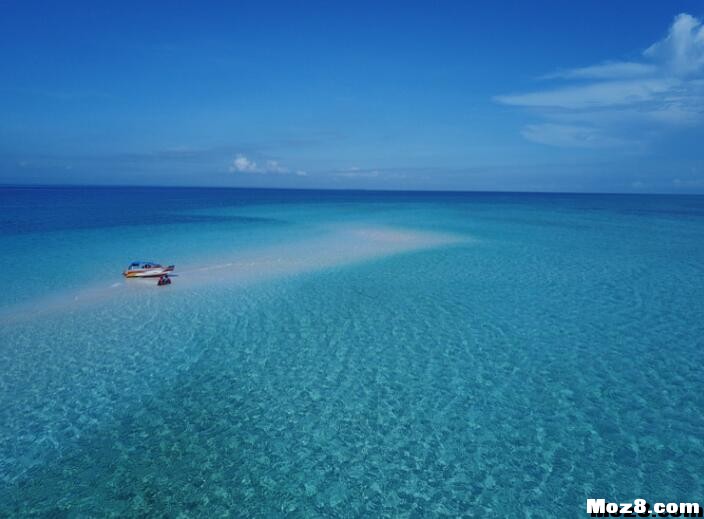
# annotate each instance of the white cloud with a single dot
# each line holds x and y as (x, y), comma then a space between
(606, 70)
(682, 51)
(273, 166)
(567, 135)
(242, 164)
(623, 103)
(606, 93)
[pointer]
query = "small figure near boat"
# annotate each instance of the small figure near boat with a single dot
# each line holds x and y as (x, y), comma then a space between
(146, 269)
(164, 280)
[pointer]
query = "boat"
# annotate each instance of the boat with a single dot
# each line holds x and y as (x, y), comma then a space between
(146, 269)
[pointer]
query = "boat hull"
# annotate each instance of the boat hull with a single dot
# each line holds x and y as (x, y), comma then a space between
(148, 273)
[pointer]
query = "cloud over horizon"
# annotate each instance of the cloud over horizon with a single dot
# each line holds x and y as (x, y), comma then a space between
(242, 164)
(622, 103)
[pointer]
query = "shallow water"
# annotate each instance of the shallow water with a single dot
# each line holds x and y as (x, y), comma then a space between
(349, 354)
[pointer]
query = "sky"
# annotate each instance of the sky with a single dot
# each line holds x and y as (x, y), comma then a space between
(436, 95)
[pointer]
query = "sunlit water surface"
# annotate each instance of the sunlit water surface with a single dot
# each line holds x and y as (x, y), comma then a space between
(348, 354)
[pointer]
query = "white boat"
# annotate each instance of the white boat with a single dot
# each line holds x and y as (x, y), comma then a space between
(146, 269)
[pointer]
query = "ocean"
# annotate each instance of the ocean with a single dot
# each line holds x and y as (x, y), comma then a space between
(348, 353)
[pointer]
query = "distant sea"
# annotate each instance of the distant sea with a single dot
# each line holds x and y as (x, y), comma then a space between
(348, 354)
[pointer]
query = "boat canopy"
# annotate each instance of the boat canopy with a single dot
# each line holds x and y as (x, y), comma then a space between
(143, 265)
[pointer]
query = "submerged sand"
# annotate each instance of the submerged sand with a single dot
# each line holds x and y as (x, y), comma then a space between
(336, 247)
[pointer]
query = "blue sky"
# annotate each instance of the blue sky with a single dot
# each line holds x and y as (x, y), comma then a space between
(538, 96)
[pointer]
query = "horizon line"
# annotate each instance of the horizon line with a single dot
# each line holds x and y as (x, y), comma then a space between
(334, 189)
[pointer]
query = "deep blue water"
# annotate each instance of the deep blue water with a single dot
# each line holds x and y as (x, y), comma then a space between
(327, 354)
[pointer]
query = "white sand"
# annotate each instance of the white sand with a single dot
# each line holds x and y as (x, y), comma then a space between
(344, 245)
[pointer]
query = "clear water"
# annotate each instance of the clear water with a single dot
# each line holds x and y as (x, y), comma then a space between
(348, 354)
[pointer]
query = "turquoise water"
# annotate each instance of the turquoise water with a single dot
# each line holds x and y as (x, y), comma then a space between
(329, 354)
